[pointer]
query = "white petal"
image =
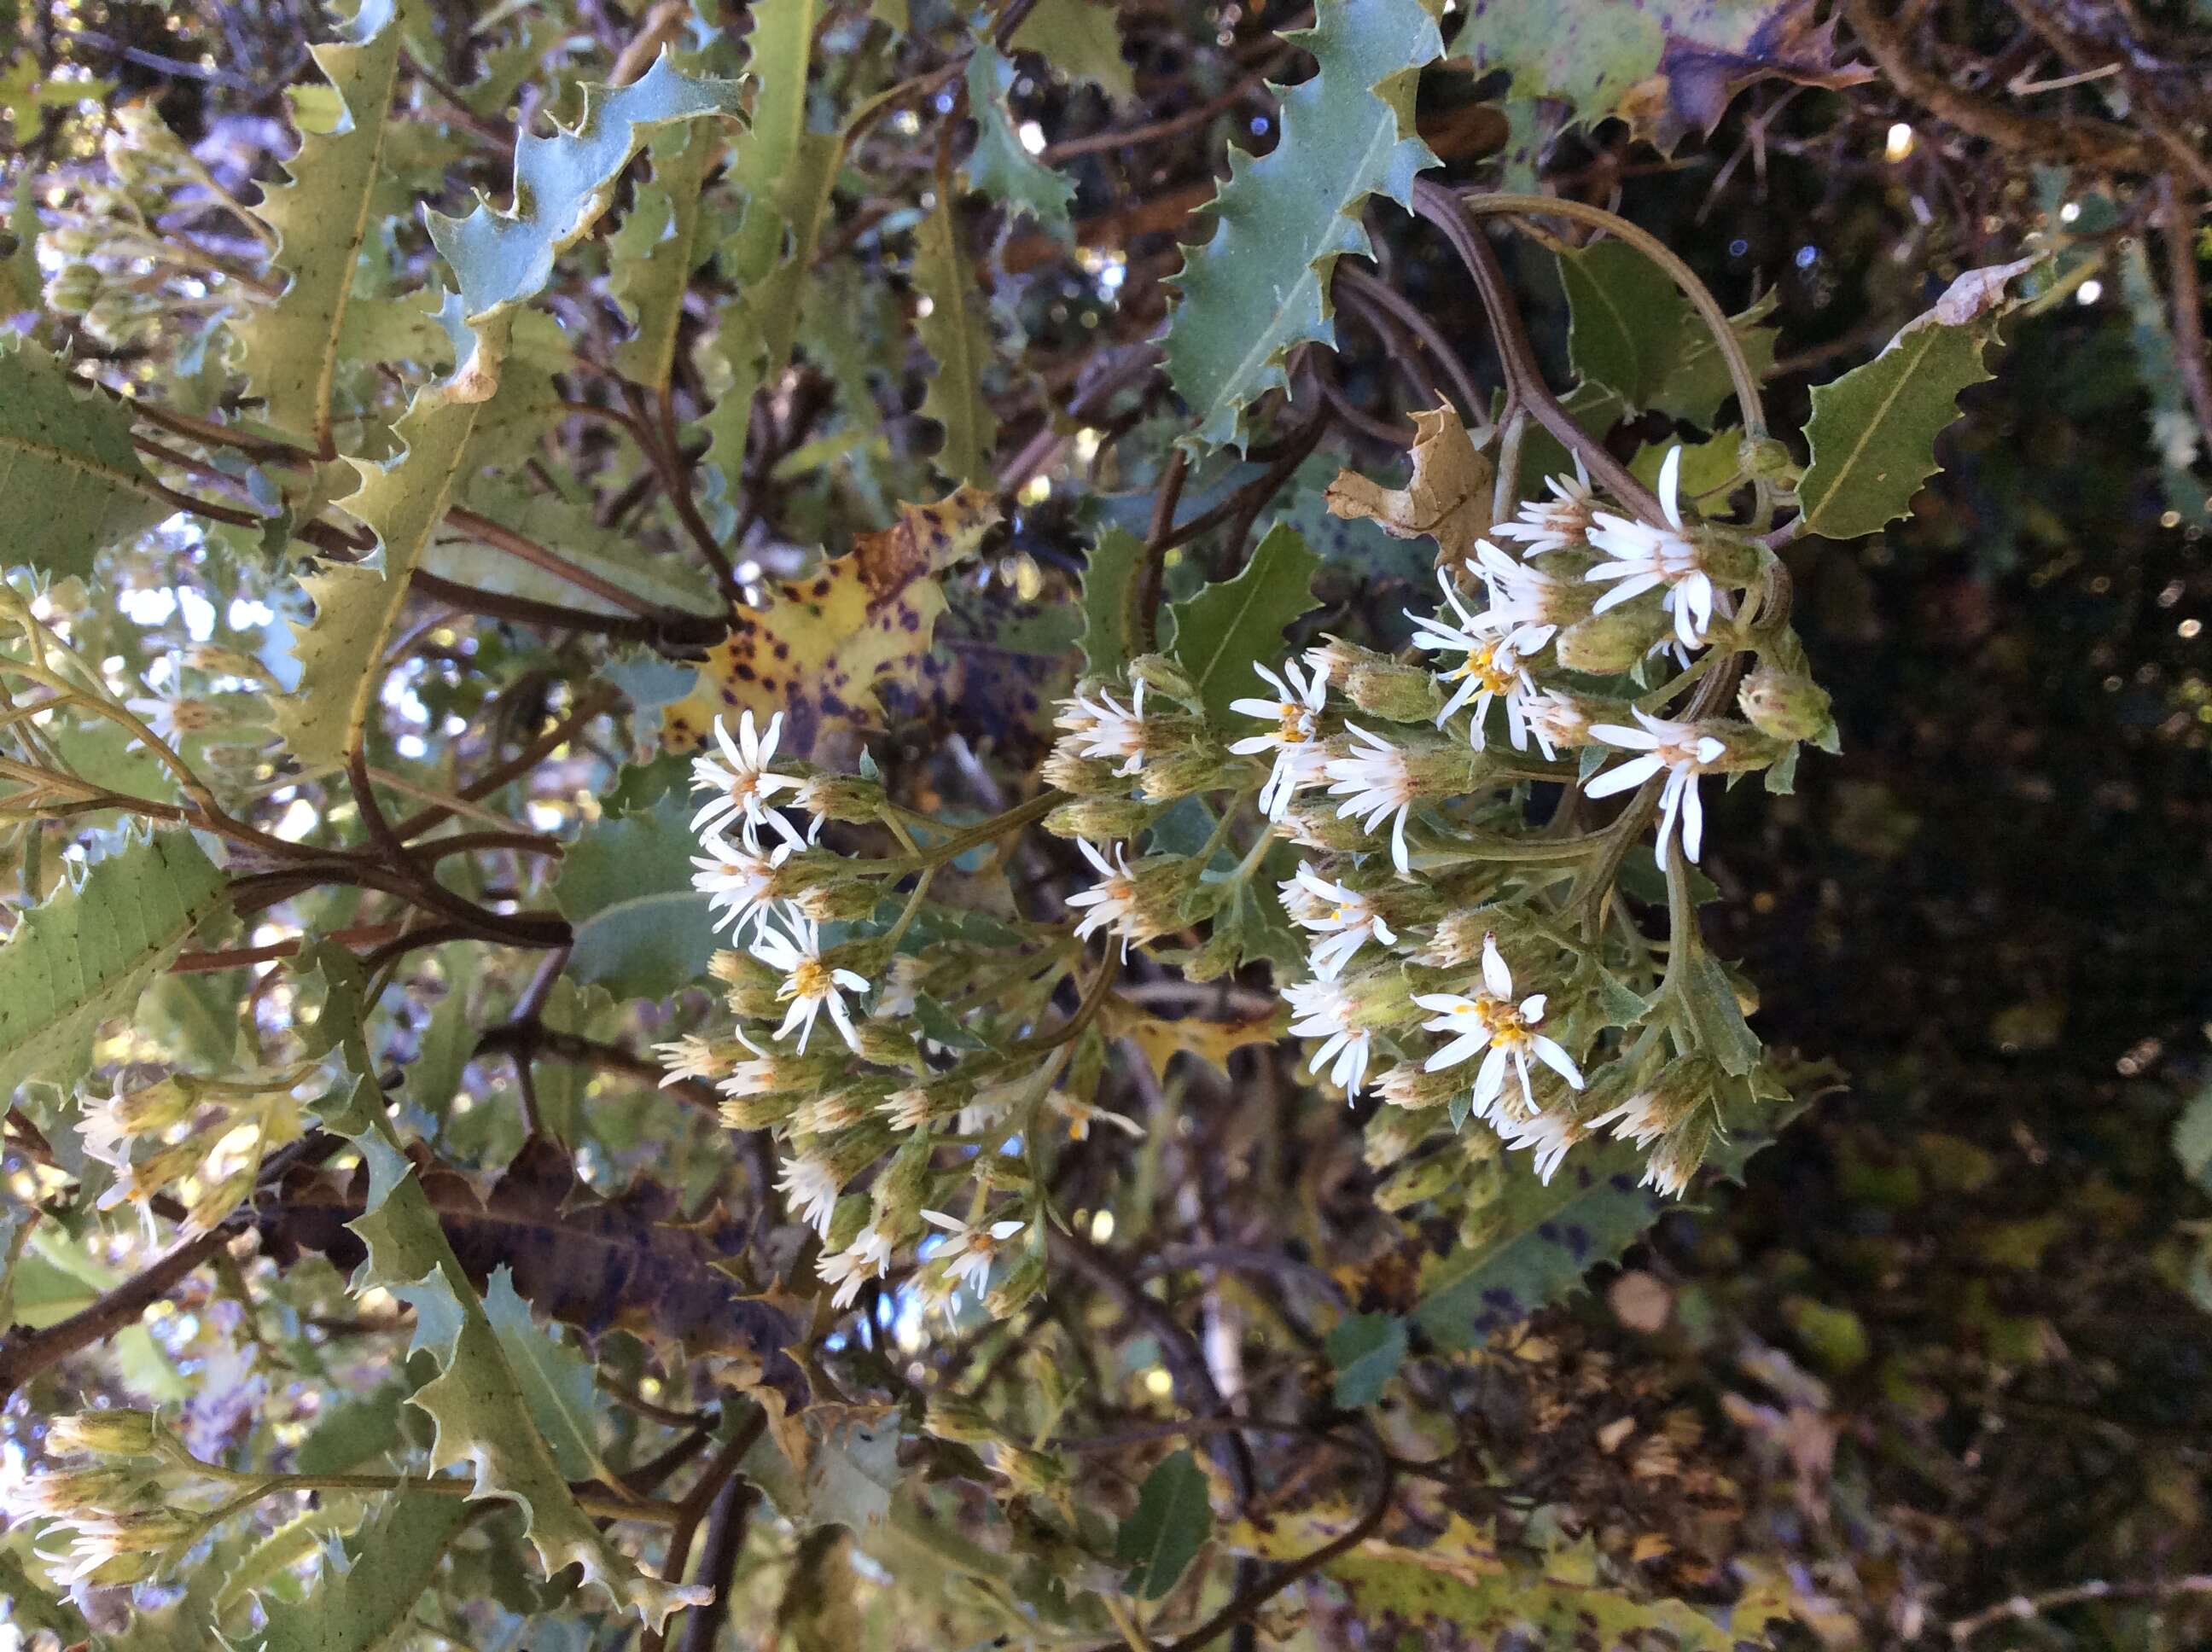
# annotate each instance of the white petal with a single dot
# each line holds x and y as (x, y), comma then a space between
(1633, 773)
(1670, 476)
(1495, 974)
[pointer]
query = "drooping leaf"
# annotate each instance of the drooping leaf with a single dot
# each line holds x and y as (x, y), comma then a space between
(1449, 499)
(1872, 431)
(72, 451)
(1173, 1518)
(1627, 321)
(641, 931)
(998, 165)
(366, 1602)
(1667, 68)
(289, 350)
(1260, 286)
(1080, 39)
(86, 953)
(816, 652)
(482, 1417)
(956, 335)
(1107, 576)
(1224, 628)
(1366, 1350)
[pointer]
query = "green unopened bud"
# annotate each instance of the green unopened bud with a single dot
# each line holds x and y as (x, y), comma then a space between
(108, 1487)
(837, 1109)
(761, 1112)
(107, 1433)
(1194, 765)
(1313, 822)
(1410, 1184)
(1611, 642)
(899, 1191)
(1023, 1281)
(1392, 1134)
(851, 798)
(831, 903)
(1082, 777)
(1000, 1174)
(846, 1156)
(755, 989)
(889, 1045)
(847, 1217)
(1380, 998)
(1162, 675)
(1398, 694)
(71, 241)
(1162, 895)
(1101, 819)
(1333, 659)
(1443, 770)
(72, 289)
(1785, 705)
(950, 1417)
(870, 957)
(1729, 558)
(916, 1107)
(1407, 1085)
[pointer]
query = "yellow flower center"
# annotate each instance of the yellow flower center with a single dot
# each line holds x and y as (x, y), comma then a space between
(810, 979)
(1482, 664)
(1296, 724)
(1501, 1018)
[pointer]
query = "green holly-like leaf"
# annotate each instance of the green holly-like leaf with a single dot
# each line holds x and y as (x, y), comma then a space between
(641, 930)
(785, 172)
(71, 453)
(1219, 632)
(998, 165)
(650, 258)
(1632, 333)
(569, 528)
(1082, 39)
(1366, 1350)
(956, 335)
(1541, 1238)
(556, 1379)
(365, 1596)
(1872, 431)
(289, 350)
(1667, 67)
(1107, 576)
(1173, 1519)
(561, 185)
(86, 953)
(479, 1405)
(1260, 286)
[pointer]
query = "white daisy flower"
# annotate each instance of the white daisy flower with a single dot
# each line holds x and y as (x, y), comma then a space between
(1102, 727)
(171, 717)
(1678, 750)
(1642, 1119)
(1377, 785)
(811, 985)
(738, 880)
(1343, 919)
(1491, 1021)
(743, 782)
(1644, 557)
(1490, 665)
(107, 1549)
(1548, 1134)
(1525, 604)
(1322, 1008)
(809, 1186)
(868, 1257)
(1559, 523)
(1112, 900)
(972, 1250)
(693, 1056)
(1296, 712)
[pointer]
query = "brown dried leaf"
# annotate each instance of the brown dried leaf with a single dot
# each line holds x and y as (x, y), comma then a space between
(1449, 499)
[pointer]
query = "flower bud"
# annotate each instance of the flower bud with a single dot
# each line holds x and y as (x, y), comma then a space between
(761, 1112)
(1380, 998)
(1023, 1281)
(1333, 659)
(1407, 1085)
(1392, 1134)
(1162, 895)
(754, 994)
(107, 1433)
(70, 241)
(851, 798)
(1101, 819)
(1163, 675)
(1399, 694)
(1680, 1153)
(917, 1107)
(219, 1198)
(836, 1110)
(72, 289)
(1000, 1174)
(1082, 777)
(1785, 705)
(1410, 1184)
(848, 1155)
(901, 1189)
(887, 1045)
(1614, 641)
(847, 1217)
(1198, 765)
(1313, 822)
(830, 903)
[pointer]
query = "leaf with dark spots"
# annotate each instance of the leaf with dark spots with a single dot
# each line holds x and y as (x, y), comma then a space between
(631, 1263)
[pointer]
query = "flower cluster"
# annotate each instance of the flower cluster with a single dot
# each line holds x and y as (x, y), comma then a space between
(890, 1100)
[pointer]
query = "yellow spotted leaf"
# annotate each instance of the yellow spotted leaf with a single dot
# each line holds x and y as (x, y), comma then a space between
(1449, 499)
(827, 641)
